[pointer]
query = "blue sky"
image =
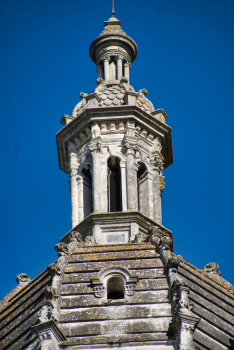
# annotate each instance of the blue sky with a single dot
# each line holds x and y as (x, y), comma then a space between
(185, 61)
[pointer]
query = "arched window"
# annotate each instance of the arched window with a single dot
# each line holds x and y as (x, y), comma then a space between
(115, 288)
(141, 186)
(114, 185)
(87, 191)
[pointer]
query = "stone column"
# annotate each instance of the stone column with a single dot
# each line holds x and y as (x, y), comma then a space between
(157, 168)
(131, 171)
(126, 71)
(96, 150)
(119, 68)
(80, 198)
(73, 169)
(123, 184)
(106, 69)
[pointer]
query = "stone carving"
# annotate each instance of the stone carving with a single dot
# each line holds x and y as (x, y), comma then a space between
(96, 146)
(54, 269)
(110, 96)
(50, 293)
(45, 314)
(143, 102)
(213, 269)
(158, 163)
(90, 240)
(130, 145)
(22, 278)
(95, 131)
(80, 105)
(161, 183)
(75, 237)
(130, 289)
(99, 284)
(61, 249)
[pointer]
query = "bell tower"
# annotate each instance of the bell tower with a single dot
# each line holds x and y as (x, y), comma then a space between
(115, 147)
(116, 282)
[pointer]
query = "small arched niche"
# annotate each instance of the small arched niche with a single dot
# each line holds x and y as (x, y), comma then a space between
(87, 190)
(114, 196)
(115, 288)
(142, 187)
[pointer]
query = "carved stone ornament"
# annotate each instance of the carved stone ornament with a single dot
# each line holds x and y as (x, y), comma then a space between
(130, 145)
(50, 293)
(161, 183)
(164, 244)
(99, 284)
(96, 146)
(173, 261)
(45, 313)
(54, 269)
(212, 268)
(110, 96)
(158, 163)
(80, 105)
(22, 278)
(61, 249)
(143, 102)
(75, 237)
(90, 240)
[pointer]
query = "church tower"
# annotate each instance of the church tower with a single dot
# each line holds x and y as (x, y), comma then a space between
(117, 282)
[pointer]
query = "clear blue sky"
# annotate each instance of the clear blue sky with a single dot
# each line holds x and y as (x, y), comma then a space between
(185, 61)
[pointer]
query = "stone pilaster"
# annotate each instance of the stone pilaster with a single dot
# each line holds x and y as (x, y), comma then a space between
(95, 148)
(157, 167)
(130, 146)
(123, 185)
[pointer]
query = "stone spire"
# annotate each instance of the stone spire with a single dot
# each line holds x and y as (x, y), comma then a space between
(113, 52)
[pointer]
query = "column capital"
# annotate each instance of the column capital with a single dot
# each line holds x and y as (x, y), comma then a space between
(130, 145)
(96, 146)
(157, 163)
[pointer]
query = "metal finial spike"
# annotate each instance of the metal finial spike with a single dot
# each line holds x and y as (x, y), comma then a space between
(113, 11)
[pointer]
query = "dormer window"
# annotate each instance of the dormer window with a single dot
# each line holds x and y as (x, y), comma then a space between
(115, 288)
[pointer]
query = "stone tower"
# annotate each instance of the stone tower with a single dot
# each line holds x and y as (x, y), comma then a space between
(117, 282)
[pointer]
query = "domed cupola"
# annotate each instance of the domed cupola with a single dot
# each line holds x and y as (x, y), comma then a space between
(113, 51)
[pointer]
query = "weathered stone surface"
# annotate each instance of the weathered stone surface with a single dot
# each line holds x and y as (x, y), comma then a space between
(225, 315)
(84, 288)
(208, 342)
(120, 255)
(113, 312)
(121, 338)
(117, 327)
(151, 297)
(130, 264)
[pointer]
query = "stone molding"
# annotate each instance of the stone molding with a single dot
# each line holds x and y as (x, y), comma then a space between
(49, 336)
(99, 284)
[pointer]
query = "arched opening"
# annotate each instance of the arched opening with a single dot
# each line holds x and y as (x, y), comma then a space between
(114, 185)
(141, 186)
(87, 190)
(115, 288)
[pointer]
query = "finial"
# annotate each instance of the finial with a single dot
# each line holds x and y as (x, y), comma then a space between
(113, 11)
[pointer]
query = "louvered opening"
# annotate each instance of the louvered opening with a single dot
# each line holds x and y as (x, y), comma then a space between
(114, 185)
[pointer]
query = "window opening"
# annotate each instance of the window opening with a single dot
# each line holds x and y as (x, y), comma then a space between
(114, 185)
(140, 174)
(115, 288)
(87, 191)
